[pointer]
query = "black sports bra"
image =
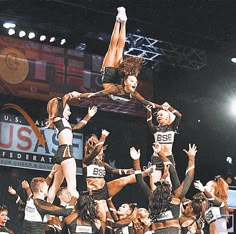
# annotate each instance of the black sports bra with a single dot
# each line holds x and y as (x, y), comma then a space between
(62, 123)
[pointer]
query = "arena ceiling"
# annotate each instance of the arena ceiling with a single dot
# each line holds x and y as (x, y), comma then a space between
(205, 24)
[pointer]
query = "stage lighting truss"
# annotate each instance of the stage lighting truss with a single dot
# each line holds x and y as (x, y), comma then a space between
(158, 51)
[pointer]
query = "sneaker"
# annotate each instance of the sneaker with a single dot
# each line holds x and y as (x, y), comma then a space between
(118, 14)
(119, 9)
(121, 16)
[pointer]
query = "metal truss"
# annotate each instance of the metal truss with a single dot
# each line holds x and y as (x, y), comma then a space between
(165, 52)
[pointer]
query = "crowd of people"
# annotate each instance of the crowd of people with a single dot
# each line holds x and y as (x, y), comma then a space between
(92, 211)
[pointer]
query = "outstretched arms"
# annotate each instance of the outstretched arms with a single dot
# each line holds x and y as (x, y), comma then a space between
(172, 112)
(117, 170)
(70, 96)
(149, 119)
(191, 152)
(189, 174)
(138, 97)
(135, 155)
(91, 112)
(98, 147)
(113, 89)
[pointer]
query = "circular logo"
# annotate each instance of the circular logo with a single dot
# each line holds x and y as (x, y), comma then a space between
(14, 66)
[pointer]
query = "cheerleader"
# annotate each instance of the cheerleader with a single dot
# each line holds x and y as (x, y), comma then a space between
(168, 120)
(216, 213)
(164, 205)
(85, 218)
(95, 170)
(119, 75)
(58, 116)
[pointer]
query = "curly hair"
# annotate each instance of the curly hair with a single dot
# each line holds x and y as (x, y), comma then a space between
(90, 144)
(133, 217)
(160, 199)
(130, 66)
(86, 208)
(221, 188)
(197, 204)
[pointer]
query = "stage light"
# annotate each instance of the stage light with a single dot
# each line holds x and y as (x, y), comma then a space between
(31, 35)
(52, 39)
(233, 60)
(63, 41)
(42, 38)
(22, 33)
(229, 160)
(233, 106)
(11, 31)
(9, 25)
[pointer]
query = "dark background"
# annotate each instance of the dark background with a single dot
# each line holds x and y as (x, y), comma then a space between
(203, 95)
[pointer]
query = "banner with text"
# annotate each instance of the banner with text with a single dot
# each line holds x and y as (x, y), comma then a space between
(20, 146)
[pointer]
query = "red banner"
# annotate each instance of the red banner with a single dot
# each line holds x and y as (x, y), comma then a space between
(36, 71)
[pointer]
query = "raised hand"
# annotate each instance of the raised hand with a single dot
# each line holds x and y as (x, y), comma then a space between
(25, 184)
(92, 111)
(74, 94)
(156, 147)
(11, 190)
(192, 150)
(134, 154)
(149, 107)
(165, 106)
(198, 185)
(105, 132)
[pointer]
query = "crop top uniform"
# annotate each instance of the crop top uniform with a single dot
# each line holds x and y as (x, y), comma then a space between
(163, 135)
(189, 229)
(215, 210)
(98, 169)
(77, 226)
(36, 212)
(172, 213)
(64, 151)
(95, 170)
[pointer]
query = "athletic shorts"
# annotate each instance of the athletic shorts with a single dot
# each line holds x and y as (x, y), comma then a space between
(111, 75)
(63, 152)
(156, 160)
(100, 194)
